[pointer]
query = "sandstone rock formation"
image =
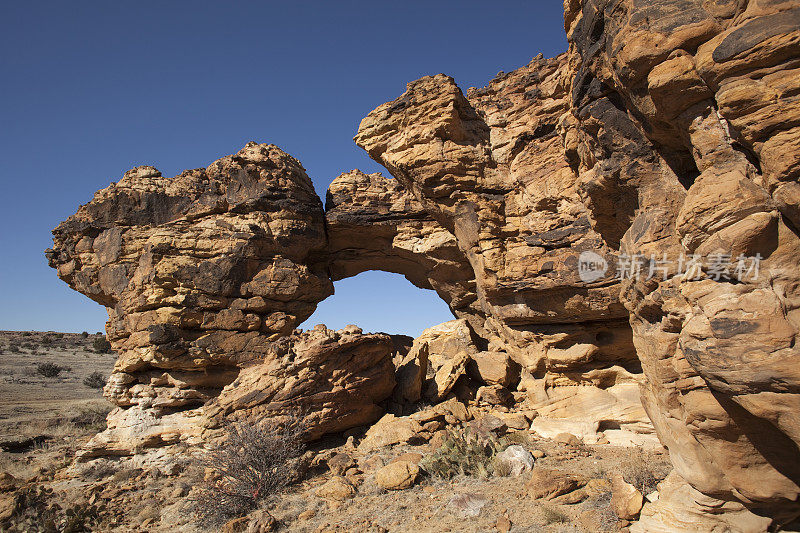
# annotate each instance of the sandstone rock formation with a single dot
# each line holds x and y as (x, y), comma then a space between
(374, 224)
(703, 96)
(335, 379)
(205, 276)
(623, 217)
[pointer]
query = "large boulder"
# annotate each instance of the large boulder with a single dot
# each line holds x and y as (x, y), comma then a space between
(334, 380)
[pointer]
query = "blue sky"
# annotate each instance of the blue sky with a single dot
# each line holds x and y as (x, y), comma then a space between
(91, 89)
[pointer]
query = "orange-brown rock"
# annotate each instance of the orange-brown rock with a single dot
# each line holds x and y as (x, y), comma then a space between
(334, 379)
(668, 135)
(703, 96)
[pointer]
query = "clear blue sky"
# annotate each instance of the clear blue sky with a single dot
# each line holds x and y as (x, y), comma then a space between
(91, 89)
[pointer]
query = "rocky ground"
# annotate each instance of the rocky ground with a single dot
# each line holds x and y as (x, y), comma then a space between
(379, 478)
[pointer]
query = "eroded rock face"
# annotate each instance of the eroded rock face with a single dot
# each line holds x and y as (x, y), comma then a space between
(334, 379)
(714, 87)
(669, 129)
(493, 171)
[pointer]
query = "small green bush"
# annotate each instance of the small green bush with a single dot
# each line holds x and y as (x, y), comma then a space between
(101, 345)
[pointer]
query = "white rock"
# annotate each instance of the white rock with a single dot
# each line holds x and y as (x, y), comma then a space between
(518, 458)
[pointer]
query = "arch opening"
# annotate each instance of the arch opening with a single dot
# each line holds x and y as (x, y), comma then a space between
(379, 301)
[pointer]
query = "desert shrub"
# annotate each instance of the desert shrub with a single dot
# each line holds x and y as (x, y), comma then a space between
(606, 519)
(90, 418)
(50, 370)
(95, 380)
(47, 340)
(253, 462)
(84, 334)
(642, 473)
(14, 348)
(101, 345)
(462, 454)
(553, 515)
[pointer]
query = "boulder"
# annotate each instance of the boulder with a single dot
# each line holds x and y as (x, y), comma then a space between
(261, 522)
(411, 457)
(389, 430)
(336, 488)
(626, 500)
(516, 459)
(495, 395)
(411, 374)
(568, 438)
(7, 482)
(397, 475)
(547, 483)
(340, 463)
(494, 368)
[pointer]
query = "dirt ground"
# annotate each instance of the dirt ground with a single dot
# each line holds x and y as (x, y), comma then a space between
(36, 409)
(45, 420)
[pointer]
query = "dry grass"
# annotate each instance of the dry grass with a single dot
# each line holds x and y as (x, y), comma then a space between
(640, 472)
(601, 505)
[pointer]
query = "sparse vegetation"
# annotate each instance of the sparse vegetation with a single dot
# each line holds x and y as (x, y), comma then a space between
(254, 462)
(553, 515)
(95, 380)
(84, 334)
(91, 418)
(462, 455)
(50, 370)
(604, 514)
(640, 473)
(38, 513)
(101, 345)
